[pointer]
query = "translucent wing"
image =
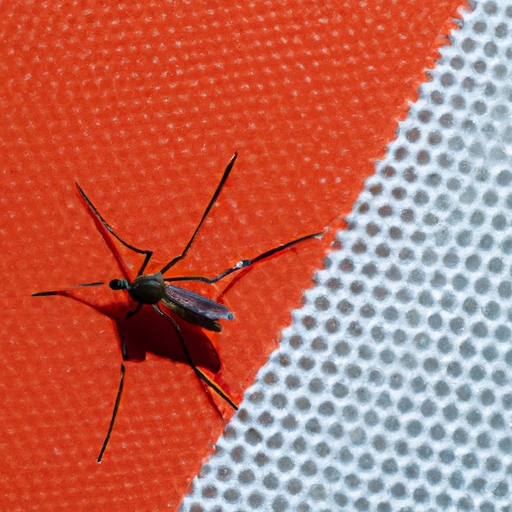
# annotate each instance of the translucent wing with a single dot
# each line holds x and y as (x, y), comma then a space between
(197, 304)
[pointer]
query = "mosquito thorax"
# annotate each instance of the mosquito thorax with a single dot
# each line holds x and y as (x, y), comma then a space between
(147, 289)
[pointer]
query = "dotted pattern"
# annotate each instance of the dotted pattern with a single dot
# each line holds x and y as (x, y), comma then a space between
(392, 391)
(143, 104)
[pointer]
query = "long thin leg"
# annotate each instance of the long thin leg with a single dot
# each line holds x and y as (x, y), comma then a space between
(70, 293)
(201, 375)
(114, 414)
(205, 214)
(133, 312)
(245, 263)
(60, 292)
(101, 223)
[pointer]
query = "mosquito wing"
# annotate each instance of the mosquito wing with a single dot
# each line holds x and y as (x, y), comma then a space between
(197, 304)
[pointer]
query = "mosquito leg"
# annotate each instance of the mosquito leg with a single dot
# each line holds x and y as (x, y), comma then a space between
(201, 375)
(245, 263)
(114, 414)
(60, 292)
(205, 214)
(124, 348)
(133, 312)
(102, 226)
(70, 294)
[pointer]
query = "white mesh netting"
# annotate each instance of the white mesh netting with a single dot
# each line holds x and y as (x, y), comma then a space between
(392, 391)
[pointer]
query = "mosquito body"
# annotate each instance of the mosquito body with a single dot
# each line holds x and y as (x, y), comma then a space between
(156, 290)
(192, 307)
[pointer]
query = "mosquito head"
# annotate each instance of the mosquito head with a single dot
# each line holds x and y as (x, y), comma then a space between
(119, 284)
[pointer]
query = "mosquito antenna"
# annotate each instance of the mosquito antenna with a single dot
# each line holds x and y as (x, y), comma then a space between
(114, 414)
(218, 190)
(245, 263)
(101, 222)
(201, 375)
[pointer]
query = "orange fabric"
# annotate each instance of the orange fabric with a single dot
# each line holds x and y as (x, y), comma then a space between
(143, 104)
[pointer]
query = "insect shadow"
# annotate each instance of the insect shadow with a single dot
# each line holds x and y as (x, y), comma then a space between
(186, 312)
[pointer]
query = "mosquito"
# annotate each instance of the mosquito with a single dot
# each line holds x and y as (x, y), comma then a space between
(165, 298)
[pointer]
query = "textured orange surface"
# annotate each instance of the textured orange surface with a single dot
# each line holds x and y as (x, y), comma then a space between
(143, 104)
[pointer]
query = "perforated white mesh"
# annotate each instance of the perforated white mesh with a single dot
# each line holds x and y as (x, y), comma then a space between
(391, 391)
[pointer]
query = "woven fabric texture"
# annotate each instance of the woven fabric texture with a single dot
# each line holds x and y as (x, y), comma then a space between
(392, 390)
(143, 104)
